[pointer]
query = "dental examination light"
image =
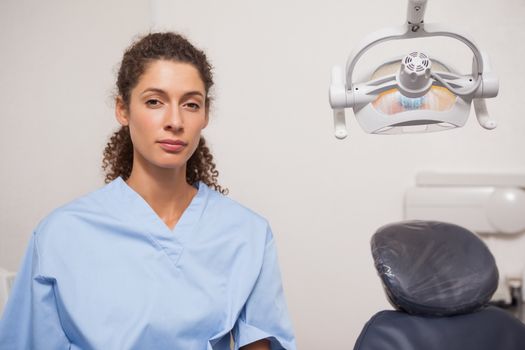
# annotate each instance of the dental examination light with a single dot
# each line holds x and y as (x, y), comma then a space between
(416, 93)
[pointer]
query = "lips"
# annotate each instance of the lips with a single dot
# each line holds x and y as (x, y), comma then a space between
(173, 142)
(172, 145)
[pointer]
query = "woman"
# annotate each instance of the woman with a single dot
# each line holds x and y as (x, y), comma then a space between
(156, 259)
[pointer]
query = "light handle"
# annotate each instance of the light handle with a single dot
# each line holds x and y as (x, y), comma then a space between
(416, 11)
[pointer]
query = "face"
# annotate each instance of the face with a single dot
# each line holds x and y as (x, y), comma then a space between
(166, 114)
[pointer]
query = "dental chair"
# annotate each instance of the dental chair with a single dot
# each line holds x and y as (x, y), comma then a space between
(439, 277)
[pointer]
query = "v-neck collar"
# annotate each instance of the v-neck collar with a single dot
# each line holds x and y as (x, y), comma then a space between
(134, 208)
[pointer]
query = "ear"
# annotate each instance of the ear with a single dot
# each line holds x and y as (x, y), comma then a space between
(121, 111)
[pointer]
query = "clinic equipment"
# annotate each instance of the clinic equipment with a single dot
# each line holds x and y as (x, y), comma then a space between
(440, 293)
(417, 93)
(489, 203)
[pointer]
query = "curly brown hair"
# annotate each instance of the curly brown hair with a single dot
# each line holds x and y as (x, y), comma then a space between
(118, 154)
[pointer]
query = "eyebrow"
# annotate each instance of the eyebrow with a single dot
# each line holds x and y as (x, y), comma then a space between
(160, 91)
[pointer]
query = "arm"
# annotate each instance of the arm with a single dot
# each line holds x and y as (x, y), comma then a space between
(264, 322)
(30, 319)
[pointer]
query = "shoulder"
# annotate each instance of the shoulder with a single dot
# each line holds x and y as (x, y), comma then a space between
(227, 206)
(67, 217)
(229, 212)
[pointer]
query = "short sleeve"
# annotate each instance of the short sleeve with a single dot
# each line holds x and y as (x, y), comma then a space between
(265, 314)
(30, 319)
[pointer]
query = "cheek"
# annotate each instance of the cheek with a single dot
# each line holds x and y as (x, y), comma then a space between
(146, 121)
(196, 135)
(195, 141)
(143, 126)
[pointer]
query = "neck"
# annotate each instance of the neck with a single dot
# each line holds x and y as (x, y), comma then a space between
(165, 190)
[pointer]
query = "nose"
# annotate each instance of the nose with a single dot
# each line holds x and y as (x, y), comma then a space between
(174, 120)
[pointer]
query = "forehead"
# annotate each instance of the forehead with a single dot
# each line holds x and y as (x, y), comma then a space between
(170, 76)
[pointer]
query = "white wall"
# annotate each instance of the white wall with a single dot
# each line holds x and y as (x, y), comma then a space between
(271, 129)
(57, 71)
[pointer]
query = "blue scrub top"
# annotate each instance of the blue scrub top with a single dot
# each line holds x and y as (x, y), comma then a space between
(105, 272)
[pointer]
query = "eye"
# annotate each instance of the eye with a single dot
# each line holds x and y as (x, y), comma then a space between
(152, 102)
(193, 106)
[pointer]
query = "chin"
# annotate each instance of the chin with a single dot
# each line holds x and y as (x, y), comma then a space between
(171, 163)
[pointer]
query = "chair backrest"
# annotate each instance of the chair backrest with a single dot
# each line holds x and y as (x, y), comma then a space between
(440, 278)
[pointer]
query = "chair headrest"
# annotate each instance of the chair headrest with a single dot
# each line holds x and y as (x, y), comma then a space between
(434, 268)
